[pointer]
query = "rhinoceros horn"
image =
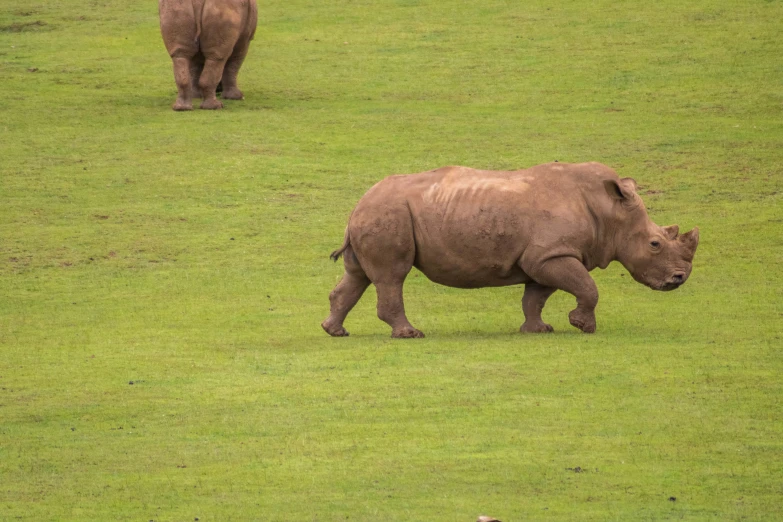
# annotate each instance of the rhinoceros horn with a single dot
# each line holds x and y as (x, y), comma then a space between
(690, 240)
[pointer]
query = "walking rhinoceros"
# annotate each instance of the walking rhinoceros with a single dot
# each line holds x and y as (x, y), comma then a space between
(207, 41)
(545, 227)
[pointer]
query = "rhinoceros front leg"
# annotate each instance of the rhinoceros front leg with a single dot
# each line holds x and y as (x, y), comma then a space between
(533, 303)
(570, 275)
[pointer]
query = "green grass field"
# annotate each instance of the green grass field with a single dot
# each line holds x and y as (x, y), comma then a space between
(163, 275)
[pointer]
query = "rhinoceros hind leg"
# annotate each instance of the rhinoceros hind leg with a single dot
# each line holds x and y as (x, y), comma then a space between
(383, 243)
(391, 310)
(533, 303)
(407, 332)
(182, 77)
(210, 76)
(345, 295)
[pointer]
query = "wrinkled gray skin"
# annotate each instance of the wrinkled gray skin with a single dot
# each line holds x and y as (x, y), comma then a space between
(545, 227)
(207, 41)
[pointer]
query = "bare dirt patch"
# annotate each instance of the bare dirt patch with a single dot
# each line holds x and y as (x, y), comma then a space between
(21, 27)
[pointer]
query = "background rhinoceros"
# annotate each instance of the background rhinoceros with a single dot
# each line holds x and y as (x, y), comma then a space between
(207, 42)
(545, 227)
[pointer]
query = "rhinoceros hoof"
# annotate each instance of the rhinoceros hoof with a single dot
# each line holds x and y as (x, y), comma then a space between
(212, 104)
(583, 321)
(180, 105)
(539, 327)
(407, 333)
(233, 94)
(334, 331)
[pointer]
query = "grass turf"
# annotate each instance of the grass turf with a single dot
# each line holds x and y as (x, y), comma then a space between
(163, 276)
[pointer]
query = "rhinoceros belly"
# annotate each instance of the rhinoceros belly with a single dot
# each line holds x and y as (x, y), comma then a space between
(463, 275)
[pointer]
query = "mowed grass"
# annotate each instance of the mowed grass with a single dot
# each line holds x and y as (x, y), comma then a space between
(163, 275)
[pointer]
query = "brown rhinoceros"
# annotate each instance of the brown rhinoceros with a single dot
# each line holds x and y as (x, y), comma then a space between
(207, 41)
(545, 227)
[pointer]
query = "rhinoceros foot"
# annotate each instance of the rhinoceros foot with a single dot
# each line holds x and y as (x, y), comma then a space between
(233, 94)
(583, 320)
(536, 327)
(211, 104)
(334, 330)
(407, 332)
(182, 105)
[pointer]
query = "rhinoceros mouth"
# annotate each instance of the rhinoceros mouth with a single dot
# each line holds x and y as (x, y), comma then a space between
(672, 282)
(665, 287)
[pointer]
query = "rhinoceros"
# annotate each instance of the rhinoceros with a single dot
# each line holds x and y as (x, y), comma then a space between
(545, 227)
(207, 41)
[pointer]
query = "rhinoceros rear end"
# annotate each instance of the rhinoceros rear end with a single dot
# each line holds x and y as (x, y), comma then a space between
(207, 42)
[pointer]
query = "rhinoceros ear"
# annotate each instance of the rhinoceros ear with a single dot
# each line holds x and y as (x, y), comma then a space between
(690, 240)
(671, 231)
(621, 190)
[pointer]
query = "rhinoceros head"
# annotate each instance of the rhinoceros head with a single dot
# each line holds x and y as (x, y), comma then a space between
(658, 257)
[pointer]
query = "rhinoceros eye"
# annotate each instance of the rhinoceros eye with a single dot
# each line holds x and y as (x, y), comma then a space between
(655, 244)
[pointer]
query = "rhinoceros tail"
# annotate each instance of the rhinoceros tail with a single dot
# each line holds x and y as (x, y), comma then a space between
(198, 9)
(334, 256)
